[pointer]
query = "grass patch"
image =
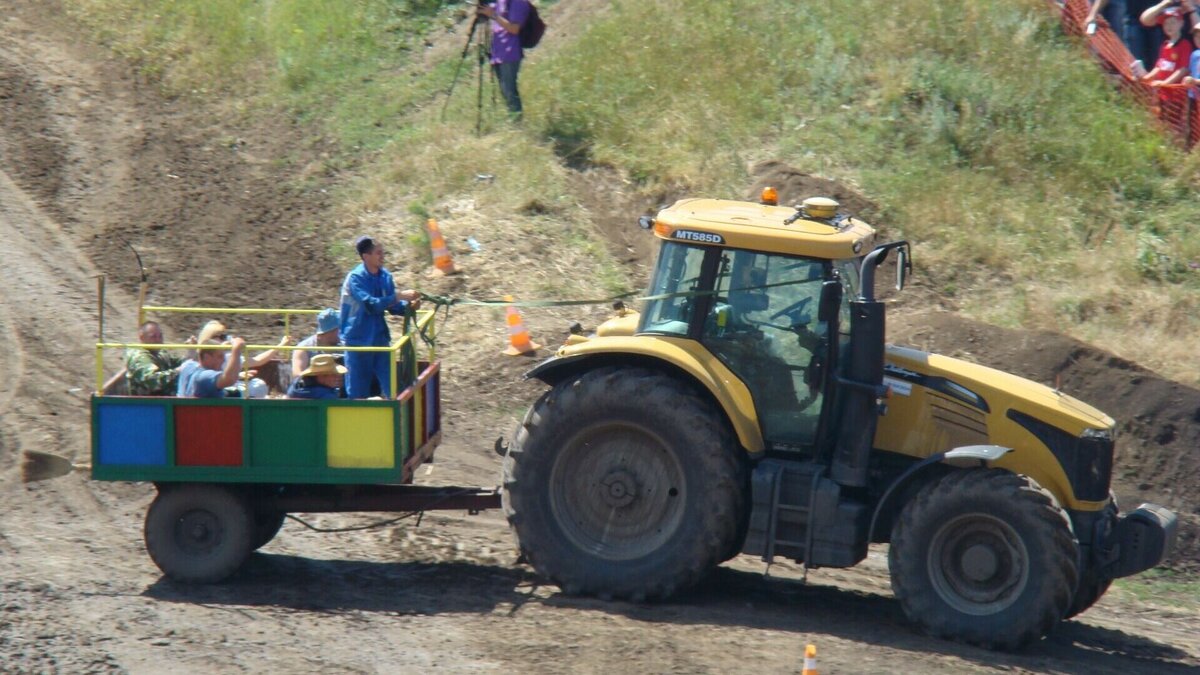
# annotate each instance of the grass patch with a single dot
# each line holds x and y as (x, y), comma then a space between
(1163, 587)
(1034, 193)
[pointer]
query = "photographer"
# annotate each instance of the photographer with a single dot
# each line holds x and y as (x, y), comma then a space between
(507, 17)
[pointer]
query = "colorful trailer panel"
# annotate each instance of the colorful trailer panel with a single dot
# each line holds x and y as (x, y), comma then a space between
(166, 439)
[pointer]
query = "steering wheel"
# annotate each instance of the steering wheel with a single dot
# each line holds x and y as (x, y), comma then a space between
(796, 312)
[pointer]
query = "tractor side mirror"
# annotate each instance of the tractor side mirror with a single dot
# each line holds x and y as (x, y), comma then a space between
(903, 267)
(646, 222)
(831, 301)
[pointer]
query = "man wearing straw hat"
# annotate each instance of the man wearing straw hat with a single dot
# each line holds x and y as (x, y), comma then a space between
(367, 293)
(322, 379)
(212, 372)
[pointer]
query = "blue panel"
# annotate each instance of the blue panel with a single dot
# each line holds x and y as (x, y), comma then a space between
(133, 434)
(432, 397)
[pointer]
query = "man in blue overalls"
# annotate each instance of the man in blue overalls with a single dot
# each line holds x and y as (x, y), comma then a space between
(367, 293)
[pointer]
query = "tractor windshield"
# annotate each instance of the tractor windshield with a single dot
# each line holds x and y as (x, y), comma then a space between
(673, 292)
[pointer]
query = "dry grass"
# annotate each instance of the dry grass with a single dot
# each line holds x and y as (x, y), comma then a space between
(1034, 194)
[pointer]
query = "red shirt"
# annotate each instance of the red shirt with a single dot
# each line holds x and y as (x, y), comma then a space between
(1172, 57)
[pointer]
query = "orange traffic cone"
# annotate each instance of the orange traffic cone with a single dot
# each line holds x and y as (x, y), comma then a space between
(441, 257)
(810, 660)
(519, 343)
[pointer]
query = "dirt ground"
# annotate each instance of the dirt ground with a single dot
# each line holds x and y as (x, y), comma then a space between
(92, 157)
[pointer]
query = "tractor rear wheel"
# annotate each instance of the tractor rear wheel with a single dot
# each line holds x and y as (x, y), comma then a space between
(623, 482)
(199, 533)
(984, 556)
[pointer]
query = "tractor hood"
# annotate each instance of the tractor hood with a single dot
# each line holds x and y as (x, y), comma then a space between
(990, 390)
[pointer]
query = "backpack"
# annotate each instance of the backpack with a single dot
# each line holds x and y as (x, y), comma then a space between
(532, 30)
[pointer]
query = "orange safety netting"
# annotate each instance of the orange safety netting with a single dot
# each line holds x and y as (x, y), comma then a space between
(1173, 104)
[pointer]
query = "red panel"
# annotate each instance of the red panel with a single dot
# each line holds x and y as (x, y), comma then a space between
(208, 436)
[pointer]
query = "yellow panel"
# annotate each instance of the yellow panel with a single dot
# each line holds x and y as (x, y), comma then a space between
(361, 437)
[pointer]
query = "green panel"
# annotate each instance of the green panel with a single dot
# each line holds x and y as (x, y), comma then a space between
(290, 434)
(404, 439)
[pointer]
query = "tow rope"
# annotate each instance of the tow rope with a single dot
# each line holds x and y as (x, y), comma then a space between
(449, 301)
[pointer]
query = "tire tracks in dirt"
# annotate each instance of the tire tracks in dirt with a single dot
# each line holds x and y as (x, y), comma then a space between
(82, 595)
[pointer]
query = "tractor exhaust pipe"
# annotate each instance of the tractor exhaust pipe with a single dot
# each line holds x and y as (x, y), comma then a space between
(862, 387)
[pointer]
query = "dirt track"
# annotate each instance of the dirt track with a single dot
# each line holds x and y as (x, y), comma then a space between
(87, 152)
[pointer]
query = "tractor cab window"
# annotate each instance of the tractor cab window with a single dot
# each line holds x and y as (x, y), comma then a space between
(677, 277)
(763, 325)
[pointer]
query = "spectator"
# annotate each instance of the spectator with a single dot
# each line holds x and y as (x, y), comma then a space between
(148, 371)
(212, 372)
(327, 335)
(321, 380)
(1113, 12)
(1171, 67)
(1193, 83)
(1141, 39)
(367, 293)
(507, 18)
(1153, 15)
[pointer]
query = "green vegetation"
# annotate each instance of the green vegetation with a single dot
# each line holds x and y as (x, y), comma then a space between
(1163, 587)
(1035, 194)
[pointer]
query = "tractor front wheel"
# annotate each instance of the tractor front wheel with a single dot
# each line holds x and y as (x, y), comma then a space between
(984, 556)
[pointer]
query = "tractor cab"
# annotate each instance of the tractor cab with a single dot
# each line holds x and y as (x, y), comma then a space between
(767, 291)
(758, 313)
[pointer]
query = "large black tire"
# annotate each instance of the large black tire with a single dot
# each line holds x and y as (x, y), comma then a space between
(1091, 588)
(984, 556)
(199, 533)
(623, 482)
(1092, 585)
(266, 525)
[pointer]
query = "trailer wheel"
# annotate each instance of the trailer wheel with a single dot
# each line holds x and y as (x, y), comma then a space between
(623, 482)
(266, 525)
(986, 557)
(199, 533)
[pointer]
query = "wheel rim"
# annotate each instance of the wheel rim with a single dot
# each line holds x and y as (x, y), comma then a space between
(618, 491)
(978, 564)
(198, 532)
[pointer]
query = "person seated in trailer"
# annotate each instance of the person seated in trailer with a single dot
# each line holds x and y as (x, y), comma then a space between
(215, 330)
(327, 335)
(253, 387)
(212, 372)
(321, 380)
(149, 371)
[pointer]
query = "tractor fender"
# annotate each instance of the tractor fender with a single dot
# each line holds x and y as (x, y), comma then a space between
(684, 359)
(956, 457)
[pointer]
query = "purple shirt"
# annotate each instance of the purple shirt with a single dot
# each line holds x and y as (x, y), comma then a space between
(506, 47)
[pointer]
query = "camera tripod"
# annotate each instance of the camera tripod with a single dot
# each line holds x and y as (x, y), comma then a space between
(478, 34)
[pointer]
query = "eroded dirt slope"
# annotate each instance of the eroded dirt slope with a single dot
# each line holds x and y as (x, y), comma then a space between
(87, 151)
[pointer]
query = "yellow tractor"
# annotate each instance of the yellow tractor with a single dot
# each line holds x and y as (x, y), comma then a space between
(752, 406)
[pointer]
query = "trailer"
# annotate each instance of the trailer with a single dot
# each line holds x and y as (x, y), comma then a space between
(229, 470)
